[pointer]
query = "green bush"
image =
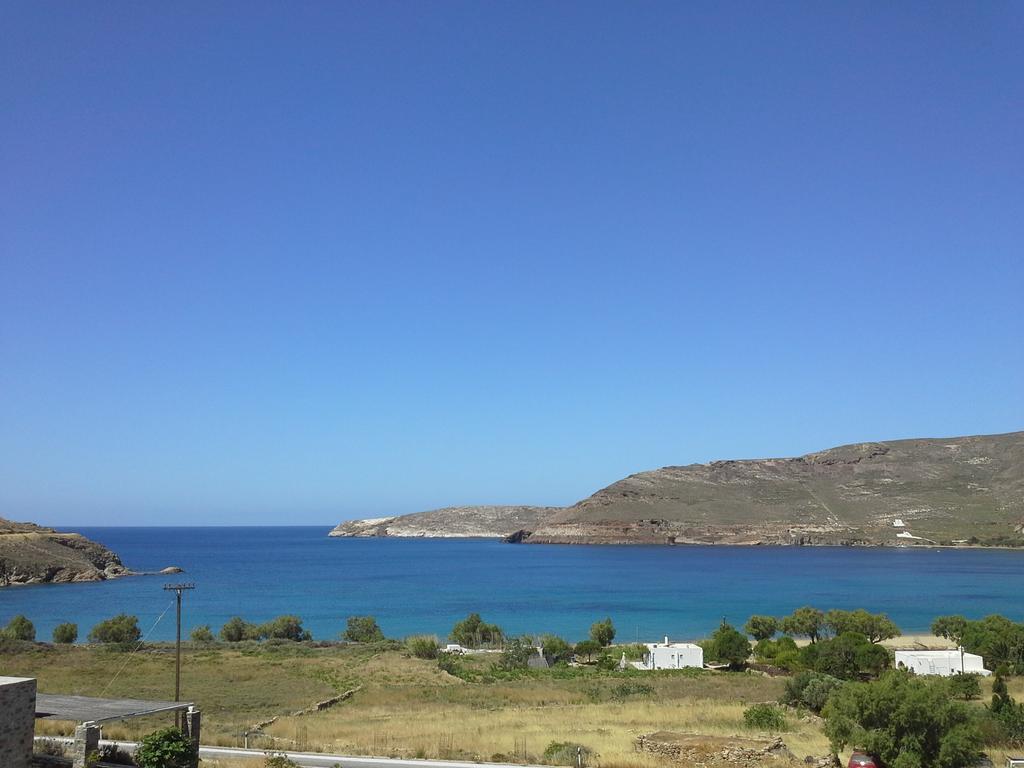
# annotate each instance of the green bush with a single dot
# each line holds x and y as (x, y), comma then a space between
(848, 656)
(809, 689)
(966, 687)
(633, 651)
(65, 633)
(764, 717)
(905, 720)
(280, 761)
(236, 629)
(285, 628)
(566, 753)
(111, 753)
(555, 648)
(515, 655)
(19, 628)
(769, 650)
(122, 630)
(166, 748)
(761, 627)
(202, 635)
(729, 646)
(422, 646)
(362, 629)
(474, 632)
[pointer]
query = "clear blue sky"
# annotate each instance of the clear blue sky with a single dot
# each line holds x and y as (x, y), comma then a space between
(300, 262)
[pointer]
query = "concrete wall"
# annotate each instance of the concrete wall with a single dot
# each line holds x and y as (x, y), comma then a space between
(17, 720)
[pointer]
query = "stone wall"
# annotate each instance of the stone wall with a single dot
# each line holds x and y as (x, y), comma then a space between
(17, 720)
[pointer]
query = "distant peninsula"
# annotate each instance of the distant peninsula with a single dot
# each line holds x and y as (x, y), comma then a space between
(959, 491)
(32, 554)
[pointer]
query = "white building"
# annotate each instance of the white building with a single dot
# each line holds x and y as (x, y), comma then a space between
(672, 656)
(945, 663)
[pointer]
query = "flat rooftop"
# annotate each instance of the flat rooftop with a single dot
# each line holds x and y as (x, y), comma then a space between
(83, 709)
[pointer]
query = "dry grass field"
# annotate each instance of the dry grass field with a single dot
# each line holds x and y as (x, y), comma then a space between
(409, 707)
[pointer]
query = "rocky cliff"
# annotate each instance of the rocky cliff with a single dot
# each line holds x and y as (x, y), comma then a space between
(31, 554)
(964, 490)
(493, 522)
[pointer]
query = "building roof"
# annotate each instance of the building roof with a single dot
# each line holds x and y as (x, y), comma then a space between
(82, 709)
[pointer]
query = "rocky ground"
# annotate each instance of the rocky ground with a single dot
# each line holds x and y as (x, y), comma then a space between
(31, 554)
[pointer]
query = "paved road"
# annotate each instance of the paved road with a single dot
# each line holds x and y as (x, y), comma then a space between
(314, 760)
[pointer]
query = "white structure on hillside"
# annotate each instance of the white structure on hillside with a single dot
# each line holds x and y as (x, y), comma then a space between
(898, 523)
(672, 656)
(945, 663)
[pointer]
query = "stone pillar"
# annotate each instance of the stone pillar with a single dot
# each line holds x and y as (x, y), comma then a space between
(17, 720)
(87, 741)
(191, 726)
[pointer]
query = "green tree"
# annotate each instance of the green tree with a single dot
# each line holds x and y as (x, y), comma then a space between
(804, 622)
(19, 628)
(1000, 693)
(729, 645)
(236, 629)
(950, 627)
(166, 748)
(965, 687)
(515, 655)
(587, 648)
(909, 722)
(202, 635)
(603, 632)
(122, 630)
(65, 633)
(473, 632)
(761, 627)
(764, 717)
(362, 629)
(810, 689)
(555, 648)
(874, 626)
(847, 656)
(284, 628)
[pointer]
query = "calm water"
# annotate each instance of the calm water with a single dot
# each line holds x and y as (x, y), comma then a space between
(417, 585)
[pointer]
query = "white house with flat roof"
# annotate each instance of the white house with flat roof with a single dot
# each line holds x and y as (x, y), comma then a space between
(945, 663)
(668, 655)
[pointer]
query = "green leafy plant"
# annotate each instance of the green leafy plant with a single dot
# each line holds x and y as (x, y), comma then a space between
(122, 630)
(202, 635)
(65, 633)
(362, 629)
(602, 632)
(422, 646)
(19, 628)
(166, 748)
(764, 717)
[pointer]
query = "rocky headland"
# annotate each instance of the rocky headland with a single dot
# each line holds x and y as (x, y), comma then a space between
(32, 554)
(960, 491)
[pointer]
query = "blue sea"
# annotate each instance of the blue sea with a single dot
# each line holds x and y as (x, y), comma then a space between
(424, 586)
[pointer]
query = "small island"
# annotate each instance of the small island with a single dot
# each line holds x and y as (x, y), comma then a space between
(32, 554)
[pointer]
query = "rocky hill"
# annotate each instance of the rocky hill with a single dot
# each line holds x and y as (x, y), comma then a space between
(964, 490)
(31, 554)
(493, 522)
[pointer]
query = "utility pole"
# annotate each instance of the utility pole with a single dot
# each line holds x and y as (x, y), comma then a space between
(178, 589)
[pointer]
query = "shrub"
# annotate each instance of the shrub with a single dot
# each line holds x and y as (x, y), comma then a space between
(804, 622)
(65, 633)
(566, 753)
(770, 650)
(602, 632)
(166, 748)
(50, 748)
(904, 720)
(202, 635)
(847, 656)
(473, 632)
(764, 717)
(966, 686)
(761, 627)
(422, 646)
(606, 662)
(633, 651)
(280, 761)
(555, 648)
(516, 655)
(121, 630)
(284, 628)
(236, 629)
(20, 628)
(729, 646)
(874, 626)
(362, 629)
(809, 689)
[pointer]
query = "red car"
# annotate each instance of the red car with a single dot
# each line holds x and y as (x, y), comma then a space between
(860, 760)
